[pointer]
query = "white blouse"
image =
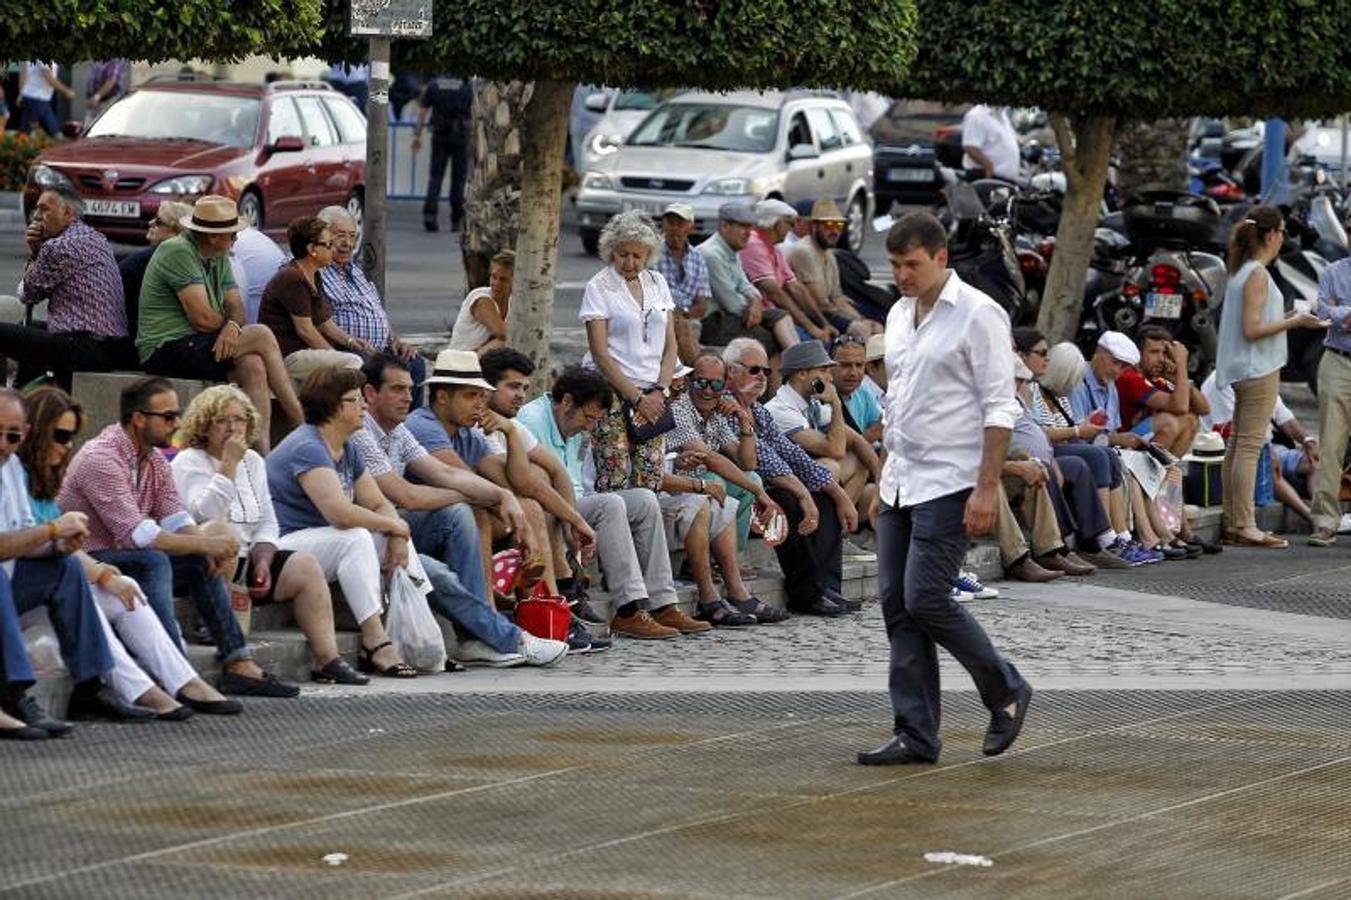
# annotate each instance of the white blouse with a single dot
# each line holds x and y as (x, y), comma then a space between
(468, 332)
(245, 502)
(637, 335)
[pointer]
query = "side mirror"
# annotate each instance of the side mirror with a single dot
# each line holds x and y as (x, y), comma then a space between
(288, 143)
(597, 102)
(71, 129)
(802, 151)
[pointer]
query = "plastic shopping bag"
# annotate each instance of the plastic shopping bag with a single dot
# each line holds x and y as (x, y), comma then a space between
(1169, 500)
(412, 627)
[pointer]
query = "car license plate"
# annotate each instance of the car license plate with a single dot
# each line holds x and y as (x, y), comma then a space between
(1163, 306)
(115, 209)
(649, 207)
(925, 175)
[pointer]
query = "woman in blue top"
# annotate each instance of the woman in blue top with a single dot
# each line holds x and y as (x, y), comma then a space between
(1252, 350)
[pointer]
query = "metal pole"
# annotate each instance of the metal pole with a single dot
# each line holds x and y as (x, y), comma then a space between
(1273, 157)
(377, 173)
(1343, 164)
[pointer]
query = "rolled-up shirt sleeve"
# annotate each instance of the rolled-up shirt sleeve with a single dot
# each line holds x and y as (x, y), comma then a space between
(1330, 284)
(990, 354)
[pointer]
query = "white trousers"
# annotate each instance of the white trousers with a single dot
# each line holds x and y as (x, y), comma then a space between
(351, 557)
(302, 362)
(139, 645)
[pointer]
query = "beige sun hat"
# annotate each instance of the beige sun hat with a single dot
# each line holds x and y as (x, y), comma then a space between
(458, 367)
(214, 214)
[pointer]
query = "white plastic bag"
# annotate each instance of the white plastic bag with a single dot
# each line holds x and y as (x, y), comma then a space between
(44, 650)
(412, 627)
(1169, 500)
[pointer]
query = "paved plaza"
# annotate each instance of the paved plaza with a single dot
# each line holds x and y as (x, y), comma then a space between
(1189, 739)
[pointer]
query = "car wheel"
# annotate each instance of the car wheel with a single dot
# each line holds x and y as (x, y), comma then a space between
(856, 222)
(251, 209)
(590, 241)
(356, 208)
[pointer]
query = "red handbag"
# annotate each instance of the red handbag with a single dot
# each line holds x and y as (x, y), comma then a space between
(544, 615)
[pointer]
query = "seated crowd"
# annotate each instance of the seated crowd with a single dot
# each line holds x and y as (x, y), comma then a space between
(727, 390)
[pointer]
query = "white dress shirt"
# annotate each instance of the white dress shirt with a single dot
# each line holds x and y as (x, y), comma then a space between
(245, 502)
(948, 380)
(637, 336)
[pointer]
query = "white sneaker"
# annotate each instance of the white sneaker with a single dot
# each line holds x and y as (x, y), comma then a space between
(477, 653)
(962, 596)
(538, 651)
(967, 581)
(1345, 526)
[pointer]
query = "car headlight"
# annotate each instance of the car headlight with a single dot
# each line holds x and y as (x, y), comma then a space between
(605, 144)
(729, 186)
(598, 181)
(183, 184)
(45, 176)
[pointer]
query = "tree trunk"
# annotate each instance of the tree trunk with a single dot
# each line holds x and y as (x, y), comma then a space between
(493, 195)
(1153, 156)
(1084, 154)
(545, 133)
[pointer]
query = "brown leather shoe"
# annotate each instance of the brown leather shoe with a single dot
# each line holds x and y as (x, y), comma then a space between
(1067, 563)
(672, 617)
(642, 626)
(1027, 569)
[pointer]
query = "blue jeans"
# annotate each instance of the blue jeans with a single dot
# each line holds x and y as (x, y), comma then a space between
(58, 583)
(920, 549)
(41, 112)
(467, 611)
(158, 574)
(451, 536)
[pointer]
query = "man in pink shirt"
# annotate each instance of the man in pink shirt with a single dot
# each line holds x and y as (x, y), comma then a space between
(768, 269)
(121, 481)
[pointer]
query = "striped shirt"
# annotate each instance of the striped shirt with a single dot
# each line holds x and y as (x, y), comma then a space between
(76, 274)
(356, 304)
(128, 498)
(687, 278)
(777, 455)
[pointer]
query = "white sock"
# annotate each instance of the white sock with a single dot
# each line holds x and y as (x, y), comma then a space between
(1106, 539)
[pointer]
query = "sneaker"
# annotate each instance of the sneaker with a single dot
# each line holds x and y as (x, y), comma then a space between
(968, 582)
(540, 651)
(673, 616)
(1322, 537)
(477, 653)
(1147, 556)
(960, 595)
(581, 604)
(1133, 554)
(581, 640)
(641, 626)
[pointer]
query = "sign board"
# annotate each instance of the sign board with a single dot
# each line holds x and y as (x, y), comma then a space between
(391, 18)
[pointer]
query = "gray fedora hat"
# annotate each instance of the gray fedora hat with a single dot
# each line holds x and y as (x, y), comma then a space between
(806, 355)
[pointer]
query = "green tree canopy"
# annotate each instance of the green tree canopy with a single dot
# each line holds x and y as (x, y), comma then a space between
(76, 30)
(698, 43)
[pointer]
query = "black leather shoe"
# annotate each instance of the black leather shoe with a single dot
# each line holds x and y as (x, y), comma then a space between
(182, 714)
(267, 686)
(840, 600)
(894, 752)
(28, 711)
(103, 703)
(23, 733)
(212, 707)
(821, 607)
(1004, 728)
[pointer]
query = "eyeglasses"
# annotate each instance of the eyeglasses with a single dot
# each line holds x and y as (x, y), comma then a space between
(708, 384)
(13, 435)
(62, 435)
(848, 339)
(327, 245)
(230, 420)
(171, 415)
(358, 400)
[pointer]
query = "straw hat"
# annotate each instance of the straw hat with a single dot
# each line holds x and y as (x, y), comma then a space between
(458, 367)
(214, 214)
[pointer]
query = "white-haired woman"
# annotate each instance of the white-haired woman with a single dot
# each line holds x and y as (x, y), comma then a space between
(630, 334)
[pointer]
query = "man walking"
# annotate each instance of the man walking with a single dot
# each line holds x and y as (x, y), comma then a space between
(950, 409)
(1334, 401)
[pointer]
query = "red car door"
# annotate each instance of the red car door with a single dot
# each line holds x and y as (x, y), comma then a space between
(326, 170)
(282, 177)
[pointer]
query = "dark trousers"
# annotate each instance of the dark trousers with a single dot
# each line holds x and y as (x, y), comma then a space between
(811, 563)
(58, 583)
(37, 350)
(920, 549)
(38, 112)
(159, 574)
(1076, 502)
(453, 148)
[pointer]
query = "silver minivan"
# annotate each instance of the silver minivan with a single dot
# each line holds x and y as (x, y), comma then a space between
(708, 149)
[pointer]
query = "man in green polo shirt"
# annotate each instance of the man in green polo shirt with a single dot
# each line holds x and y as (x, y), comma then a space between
(191, 316)
(630, 534)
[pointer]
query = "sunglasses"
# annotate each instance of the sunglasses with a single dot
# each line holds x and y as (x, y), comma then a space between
(708, 384)
(758, 370)
(172, 415)
(63, 435)
(13, 435)
(848, 339)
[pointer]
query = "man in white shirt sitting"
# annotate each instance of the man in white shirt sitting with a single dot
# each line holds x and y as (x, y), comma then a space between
(805, 408)
(950, 412)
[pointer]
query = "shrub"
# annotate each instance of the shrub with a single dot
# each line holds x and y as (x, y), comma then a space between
(17, 152)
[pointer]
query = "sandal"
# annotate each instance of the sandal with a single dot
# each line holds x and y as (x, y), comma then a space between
(337, 671)
(366, 663)
(722, 614)
(763, 612)
(1270, 541)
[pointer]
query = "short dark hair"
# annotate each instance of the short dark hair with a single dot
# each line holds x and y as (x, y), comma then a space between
(450, 390)
(137, 394)
(321, 392)
(917, 229)
(1153, 333)
(1025, 337)
(583, 386)
(303, 231)
(495, 364)
(374, 368)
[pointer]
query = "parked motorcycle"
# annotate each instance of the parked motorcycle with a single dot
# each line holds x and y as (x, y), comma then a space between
(981, 249)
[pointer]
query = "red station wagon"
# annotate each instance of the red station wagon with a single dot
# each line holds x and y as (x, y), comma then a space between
(280, 150)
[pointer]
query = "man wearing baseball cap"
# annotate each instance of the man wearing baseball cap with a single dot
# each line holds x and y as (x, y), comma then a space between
(769, 271)
(686, 275)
